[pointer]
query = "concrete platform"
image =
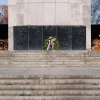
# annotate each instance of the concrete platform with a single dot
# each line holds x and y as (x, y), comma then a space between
(50, 71)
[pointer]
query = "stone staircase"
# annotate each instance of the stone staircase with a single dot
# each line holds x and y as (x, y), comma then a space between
(49, 86)
(50, 58)
(70, 87)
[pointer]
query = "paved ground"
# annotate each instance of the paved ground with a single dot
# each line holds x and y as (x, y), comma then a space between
(50, 71)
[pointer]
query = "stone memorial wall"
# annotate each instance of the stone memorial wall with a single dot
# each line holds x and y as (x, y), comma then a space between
(33, 37)
(60, 13)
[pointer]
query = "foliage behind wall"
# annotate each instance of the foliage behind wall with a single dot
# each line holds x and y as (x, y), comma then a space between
(3, 14)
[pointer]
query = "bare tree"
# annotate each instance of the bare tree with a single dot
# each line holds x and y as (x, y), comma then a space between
(3, 14)
(95, 11)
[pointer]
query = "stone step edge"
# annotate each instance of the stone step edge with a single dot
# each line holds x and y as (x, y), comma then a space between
(52, 97)
(50, 76)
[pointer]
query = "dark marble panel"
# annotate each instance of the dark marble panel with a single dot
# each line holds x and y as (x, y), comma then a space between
(64, 36)
(78, 38)
(35, 37)
(21, 38)
(3, 31)
(49, 31)
(32, 37)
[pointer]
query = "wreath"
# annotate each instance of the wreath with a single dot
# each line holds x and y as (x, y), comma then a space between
(54, 39)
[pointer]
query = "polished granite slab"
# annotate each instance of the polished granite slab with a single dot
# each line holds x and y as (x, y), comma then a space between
(78, 38)
(64, 36)
(21, 38)
(35, 37)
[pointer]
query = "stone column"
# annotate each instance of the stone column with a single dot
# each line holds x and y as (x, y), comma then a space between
(18, 14)
(87, 22)
(12, 16)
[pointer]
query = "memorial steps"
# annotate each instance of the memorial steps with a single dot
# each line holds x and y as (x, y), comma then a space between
(50, 58)
(45, 86)
(70, 87)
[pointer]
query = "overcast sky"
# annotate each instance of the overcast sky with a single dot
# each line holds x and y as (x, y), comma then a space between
(3, 2)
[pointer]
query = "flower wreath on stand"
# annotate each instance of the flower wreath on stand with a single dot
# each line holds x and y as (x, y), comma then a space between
(54, 39)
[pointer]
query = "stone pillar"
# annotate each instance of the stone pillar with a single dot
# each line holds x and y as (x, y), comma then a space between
(87, 22)
(80, 14)
(12, 12)
(18, 14)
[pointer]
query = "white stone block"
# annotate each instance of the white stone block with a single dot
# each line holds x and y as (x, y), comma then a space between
(22, 1)
(72, 15)
(79, 1)
(22, 10)
(36, 14)
(77, 9)
(72, 1)
(10, 38)
(87, 22)
(26, 1)
(80, 7)
(62, 14)
(88, 38)
(12, 2)
(87, 11)
(36, 1)
(79, 19)
(26, 15)
(12, 15)
(49, 0)
(62, 1)
(20, 18)
(76, 14)
(72, 20)
(87, 15)
(87, 2)
(49, 14)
